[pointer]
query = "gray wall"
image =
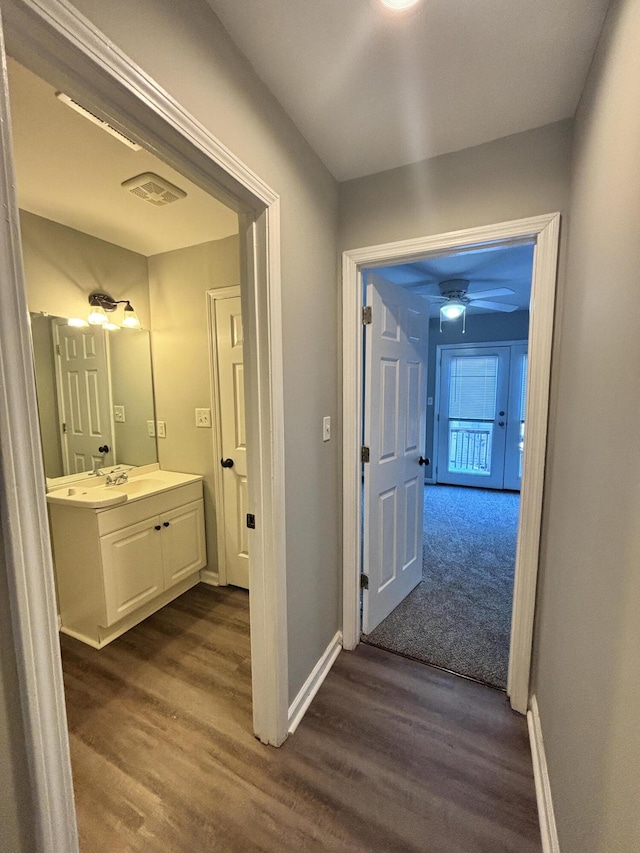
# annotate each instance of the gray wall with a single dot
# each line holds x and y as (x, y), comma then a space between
(63, 266)
(521, 175)
(178, 284)
(481, 328)
(183, 46)
(587, 672)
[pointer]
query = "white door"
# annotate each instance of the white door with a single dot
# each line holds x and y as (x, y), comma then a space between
(394, 432)
(482, 395)
(230, 371)
(84, 399)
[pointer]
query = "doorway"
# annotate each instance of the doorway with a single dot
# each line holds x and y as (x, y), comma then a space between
(80, 59)
(543, 233)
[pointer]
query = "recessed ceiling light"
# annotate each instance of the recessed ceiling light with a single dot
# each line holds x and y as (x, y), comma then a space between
(399, 4)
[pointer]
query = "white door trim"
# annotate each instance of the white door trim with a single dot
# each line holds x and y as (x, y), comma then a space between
(55, 40)
(544, 230)
(216, 432)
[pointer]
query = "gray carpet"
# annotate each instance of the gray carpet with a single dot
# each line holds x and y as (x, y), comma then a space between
(459, 616)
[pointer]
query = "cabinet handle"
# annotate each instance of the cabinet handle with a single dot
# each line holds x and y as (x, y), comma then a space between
(165, 523)
(158, 527)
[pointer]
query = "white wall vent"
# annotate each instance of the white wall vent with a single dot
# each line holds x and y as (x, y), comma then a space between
(154, 189)
(98, 121)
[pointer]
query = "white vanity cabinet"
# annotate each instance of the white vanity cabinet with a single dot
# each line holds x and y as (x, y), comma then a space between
(116, 566)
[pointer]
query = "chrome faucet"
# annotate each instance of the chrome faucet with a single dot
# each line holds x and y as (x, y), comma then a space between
(115, 481)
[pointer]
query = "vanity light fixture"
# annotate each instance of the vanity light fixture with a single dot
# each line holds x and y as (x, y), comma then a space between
(76, 321)
(101, 305)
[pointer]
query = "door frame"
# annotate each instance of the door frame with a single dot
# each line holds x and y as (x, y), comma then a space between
(440, 348)
(216, 433)
(57, 42)
(544, 232)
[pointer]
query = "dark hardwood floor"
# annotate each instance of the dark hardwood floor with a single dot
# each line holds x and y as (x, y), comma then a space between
(392, 755)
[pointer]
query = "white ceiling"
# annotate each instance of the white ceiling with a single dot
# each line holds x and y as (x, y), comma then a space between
(69, 170)
(372, 89)
(486, 269)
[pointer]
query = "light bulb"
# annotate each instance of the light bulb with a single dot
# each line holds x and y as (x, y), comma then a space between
(97, 315)
(399, 4)
(452, 310)
(130, 319)
(112, 327)
(76, 321)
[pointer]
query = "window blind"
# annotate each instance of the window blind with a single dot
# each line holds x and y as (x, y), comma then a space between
(473, 385)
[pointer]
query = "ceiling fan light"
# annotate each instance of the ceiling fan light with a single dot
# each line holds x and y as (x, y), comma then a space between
(452, 309)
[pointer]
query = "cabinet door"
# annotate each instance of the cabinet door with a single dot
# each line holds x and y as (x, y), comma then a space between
(132, 566)
(183, 548)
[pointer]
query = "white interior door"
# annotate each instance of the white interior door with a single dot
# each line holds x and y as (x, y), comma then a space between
(230, 369)
(394, 432)
(84, 398)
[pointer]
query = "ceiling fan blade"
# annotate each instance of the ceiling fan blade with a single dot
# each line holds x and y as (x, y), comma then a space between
(493, 306)
(432, 297)
(488, 294)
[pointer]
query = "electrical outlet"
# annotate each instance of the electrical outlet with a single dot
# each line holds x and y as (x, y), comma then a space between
(162, 429)
(151, 429)
(326, 428)
(203, 417)
(118, 414)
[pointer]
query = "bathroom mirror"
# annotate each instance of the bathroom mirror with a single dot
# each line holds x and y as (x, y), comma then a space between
(95, 397)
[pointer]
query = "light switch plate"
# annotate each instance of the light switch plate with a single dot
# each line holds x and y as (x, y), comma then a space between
(118, 414)
(203, 417)
(162, 429)
(326, 428)
(151, 429)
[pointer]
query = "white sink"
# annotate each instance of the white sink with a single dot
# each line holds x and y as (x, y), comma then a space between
(91, 498)
(97, 495)
(139, 486)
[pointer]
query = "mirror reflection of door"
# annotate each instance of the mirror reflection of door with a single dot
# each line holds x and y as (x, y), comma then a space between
(83, 397)
(482, 396)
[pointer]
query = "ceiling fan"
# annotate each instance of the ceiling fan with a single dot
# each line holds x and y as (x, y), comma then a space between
(455, 298)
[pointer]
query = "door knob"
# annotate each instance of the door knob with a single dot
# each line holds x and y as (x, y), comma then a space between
(103, 449)
(226, 463)
(166, 523)
(500, 423)
(158, 527)
(423, 461)
(501, 414)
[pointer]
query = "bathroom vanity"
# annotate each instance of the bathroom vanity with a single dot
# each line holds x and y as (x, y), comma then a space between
(123, 551)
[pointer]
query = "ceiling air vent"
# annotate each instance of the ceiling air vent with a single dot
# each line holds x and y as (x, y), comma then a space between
(154, 189)
(98, 121)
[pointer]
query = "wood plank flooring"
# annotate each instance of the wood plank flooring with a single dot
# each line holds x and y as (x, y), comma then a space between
(392, 756)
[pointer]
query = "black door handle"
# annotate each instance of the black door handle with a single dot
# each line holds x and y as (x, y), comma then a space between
(103, 449)
(165, 523)
(500, 423)
(157, 526)
(226, 463)
(423, 461)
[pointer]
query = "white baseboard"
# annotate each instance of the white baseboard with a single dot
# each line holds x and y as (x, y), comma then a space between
(546, 816)
(211, 578)
(311, 686)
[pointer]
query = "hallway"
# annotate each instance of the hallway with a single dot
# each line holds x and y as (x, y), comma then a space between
(391, 755)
